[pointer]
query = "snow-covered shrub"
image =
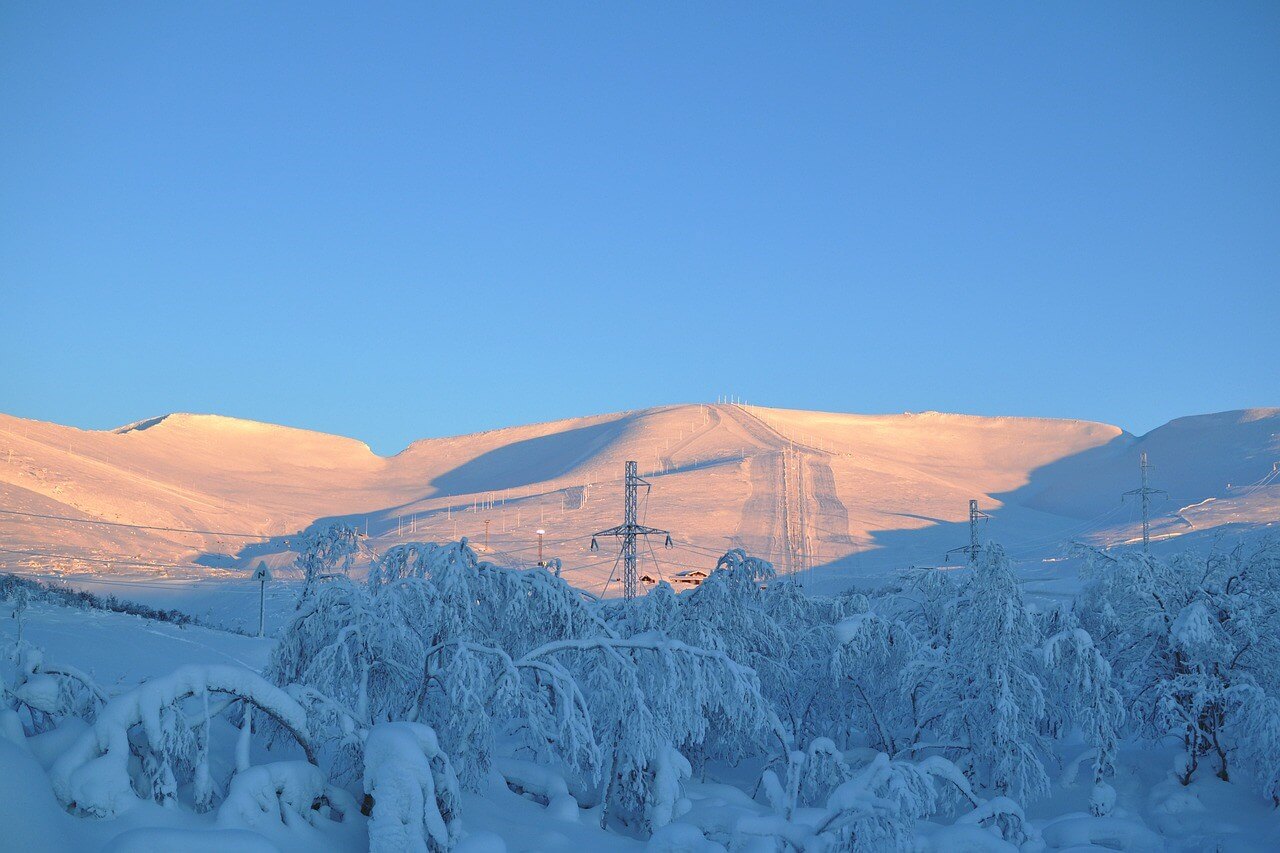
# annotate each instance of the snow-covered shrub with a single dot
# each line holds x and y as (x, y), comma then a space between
(664, 800)
(824, 769)
(646, 696)
(983, 689)
(96, 775)
(874, 805)
(831, 800)
(1193, 642)
(1079, 680)
(326, 553)
(411, 790)
(12, 586)
(289, 792)
(871, 654)
(477, 652)
(43, 693)
(878, 808)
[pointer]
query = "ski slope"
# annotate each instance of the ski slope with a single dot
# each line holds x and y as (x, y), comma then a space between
(184, 500)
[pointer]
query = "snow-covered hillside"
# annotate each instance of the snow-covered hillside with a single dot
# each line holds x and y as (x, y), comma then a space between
(848, 496)
(449, 704)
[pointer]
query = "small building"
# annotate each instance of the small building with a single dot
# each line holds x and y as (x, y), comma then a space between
(689, 578)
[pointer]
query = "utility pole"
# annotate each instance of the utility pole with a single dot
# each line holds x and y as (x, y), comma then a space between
(1145, 492)
(486, 534)
(973, 548)
(540, 534)
(629, 530)
(262, 574)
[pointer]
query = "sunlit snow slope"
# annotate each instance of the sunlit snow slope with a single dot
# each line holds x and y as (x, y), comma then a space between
(848, 496)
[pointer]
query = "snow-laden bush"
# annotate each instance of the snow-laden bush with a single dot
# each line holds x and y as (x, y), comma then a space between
(26, 590)
(1193, 642)
(828, 802)
(410, 789)
(154, 742)
(984, 686)
(326, 553)
(171, 739)
(480, 652)
(42, 693)
(645, 696)
(291, 793)
(1080, 679)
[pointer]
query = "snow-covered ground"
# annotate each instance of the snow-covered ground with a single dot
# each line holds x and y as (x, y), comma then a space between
(175, 512)
(526, 803)
(121, 651)
(849, 497)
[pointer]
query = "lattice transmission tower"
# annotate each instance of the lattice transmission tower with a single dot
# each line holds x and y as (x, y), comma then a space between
(629, 530)
(1145, 492)
(973, 548)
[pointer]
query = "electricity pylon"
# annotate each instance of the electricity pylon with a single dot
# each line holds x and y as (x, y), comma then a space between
(629, 530)
(1145, 492)
(972, 549)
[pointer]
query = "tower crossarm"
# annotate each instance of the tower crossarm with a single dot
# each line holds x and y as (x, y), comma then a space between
(638, 530)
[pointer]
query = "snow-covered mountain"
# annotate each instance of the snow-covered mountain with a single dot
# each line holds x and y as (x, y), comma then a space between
(849, 496)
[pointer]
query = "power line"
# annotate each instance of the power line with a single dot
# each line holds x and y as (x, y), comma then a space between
(87, 578)
(110, 559)
(137, 526)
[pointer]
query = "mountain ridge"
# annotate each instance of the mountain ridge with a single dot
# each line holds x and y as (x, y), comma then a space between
(848, 494)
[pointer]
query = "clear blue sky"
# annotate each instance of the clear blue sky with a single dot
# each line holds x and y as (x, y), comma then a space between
(401, 221)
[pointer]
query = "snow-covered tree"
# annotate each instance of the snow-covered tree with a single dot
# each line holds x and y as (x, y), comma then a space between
(871, 655)
(983, 690)
(1192, 642)
(342, 644)
(411, 792)
(41, 694)
(649, 695)
(829, 802)
(1081, 692)
(325, 553)
(172, 717)
(482, 653)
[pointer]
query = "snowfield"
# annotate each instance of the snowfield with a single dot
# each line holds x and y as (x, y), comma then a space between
(844, 677)
(848, 499)
(447, 703)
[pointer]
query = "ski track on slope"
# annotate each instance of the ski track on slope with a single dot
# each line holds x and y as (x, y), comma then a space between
(832, 514)
(205, 472)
